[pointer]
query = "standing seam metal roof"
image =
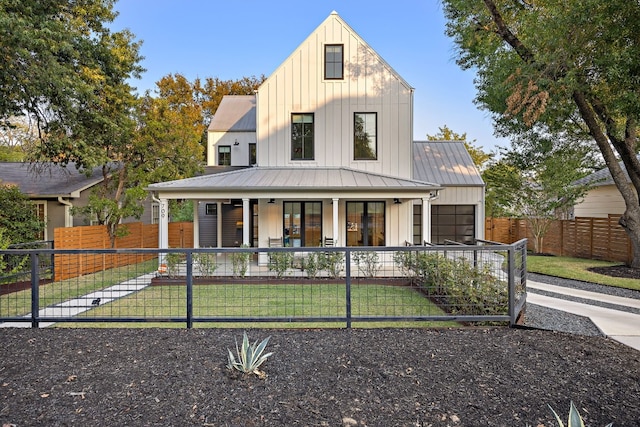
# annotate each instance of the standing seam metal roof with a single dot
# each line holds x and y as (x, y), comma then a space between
(445, 162)
(292, 179)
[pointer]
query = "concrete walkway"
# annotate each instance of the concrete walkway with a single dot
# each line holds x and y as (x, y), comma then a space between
(615, 323)
(79, 305)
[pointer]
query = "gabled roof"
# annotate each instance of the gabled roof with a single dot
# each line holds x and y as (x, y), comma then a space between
(602, 177)
(48, 180)
(326, 28)
(236, 113)
(299, 179)
(445, 162)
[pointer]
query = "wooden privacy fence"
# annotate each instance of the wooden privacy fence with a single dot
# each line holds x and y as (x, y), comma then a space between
(591, 238)
(96, 237)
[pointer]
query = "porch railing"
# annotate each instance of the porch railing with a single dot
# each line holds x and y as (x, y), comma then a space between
(328, 286)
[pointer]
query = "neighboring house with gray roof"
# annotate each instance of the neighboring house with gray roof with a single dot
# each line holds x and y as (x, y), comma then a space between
(54, 190)
(604, 198)
(332, 133)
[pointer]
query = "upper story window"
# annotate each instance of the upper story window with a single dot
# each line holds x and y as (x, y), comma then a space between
(333, 62)
(302, 136)
(224, 155)
(253, 154)
(365, 140)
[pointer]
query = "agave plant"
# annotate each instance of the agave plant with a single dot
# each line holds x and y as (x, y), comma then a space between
(249, 357)
(575, 419)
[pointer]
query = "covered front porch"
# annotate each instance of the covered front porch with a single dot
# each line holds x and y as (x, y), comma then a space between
(299, 207)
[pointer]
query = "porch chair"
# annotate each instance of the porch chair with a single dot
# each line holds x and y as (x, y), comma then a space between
(328, 242)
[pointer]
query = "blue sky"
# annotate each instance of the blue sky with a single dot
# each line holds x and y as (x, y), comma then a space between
(230, 39)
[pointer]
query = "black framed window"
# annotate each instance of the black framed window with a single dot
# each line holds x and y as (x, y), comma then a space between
(302, 223)
(453, 222)
(333, 62)
(211, 209)
(365, 139)
(365, 224)
(253, 155)
(302, 136)
(417, 224)
(224, 155)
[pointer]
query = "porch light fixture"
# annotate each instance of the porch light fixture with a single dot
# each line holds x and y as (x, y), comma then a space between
(271, 201)
(396, 201)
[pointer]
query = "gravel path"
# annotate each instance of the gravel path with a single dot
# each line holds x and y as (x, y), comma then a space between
(556, 320)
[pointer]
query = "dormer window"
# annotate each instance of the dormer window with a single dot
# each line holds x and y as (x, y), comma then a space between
(333, 62)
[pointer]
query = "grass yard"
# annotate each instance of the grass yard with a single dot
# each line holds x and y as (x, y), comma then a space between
(289, 301)
(19, 303)
(577, 269)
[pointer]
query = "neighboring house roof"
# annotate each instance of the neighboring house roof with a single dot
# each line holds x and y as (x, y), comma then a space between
(283, 178)
(602, 177)
(48, 180)
(445, 162)
(236, 113)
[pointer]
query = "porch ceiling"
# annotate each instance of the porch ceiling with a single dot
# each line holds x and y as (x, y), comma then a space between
(261, 182)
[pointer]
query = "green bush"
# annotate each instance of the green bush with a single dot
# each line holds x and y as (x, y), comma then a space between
(206, 263)
(173, 261)
(455, 283)
(367, 262)
(312, 265)
(332, 263)
(240, 262)
(280, 262)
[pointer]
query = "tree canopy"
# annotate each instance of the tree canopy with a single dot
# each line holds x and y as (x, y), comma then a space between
(19, 220)
(560, 66)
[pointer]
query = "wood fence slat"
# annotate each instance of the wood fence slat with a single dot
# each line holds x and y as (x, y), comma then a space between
(594, 238)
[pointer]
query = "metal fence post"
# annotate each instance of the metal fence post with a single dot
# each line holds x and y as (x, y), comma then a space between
(35, 291)
(347, 258)
(511, 263)
(189, 290)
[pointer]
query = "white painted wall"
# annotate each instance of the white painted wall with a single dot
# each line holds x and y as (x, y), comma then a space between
(369, 85)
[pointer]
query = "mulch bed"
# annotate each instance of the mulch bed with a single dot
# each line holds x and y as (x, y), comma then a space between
(360, 377)
(618, 271)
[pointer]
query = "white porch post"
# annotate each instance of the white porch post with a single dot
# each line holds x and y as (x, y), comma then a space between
(336, 227)
(163, 234)
(245, 222)
(219, 224)
(426, 220)
(196, 224)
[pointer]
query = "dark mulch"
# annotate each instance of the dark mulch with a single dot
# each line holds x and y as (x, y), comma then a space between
(381, 377)
(618, 271)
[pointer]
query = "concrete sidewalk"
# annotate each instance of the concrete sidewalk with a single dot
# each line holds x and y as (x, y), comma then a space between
(619, 325)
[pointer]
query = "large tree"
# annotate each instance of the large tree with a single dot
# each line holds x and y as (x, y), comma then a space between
(19, 221)
(568, 66)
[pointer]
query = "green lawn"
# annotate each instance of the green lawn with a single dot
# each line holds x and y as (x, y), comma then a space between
(267, 301)
(19, 303)
(576, 268)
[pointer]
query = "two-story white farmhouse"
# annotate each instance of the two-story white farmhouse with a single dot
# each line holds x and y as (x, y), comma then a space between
(328, 153)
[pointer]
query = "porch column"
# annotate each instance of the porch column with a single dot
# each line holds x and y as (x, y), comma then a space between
(196, 224)
(219, 224)
(245, 222)
(426, 220)
(336, 227)
(163, 234)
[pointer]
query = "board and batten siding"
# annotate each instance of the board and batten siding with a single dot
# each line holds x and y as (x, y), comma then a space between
(369, 85)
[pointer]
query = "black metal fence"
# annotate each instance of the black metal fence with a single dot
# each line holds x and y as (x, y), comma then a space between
(323, 287)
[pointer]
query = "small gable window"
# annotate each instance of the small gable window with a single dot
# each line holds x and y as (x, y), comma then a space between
(224, 155)
(333, 62)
